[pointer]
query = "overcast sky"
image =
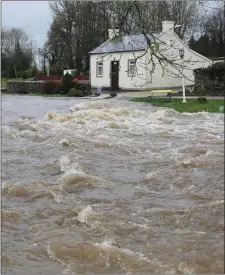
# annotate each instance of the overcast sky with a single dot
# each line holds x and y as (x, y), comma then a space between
(32, 16)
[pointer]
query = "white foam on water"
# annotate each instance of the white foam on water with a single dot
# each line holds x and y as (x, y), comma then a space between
(151, 175)
(53, 257)
(213, 203)
(58, 117)
(186, 269)
(64, 163)
(212, 153)
(83, 214)
(68, 167)
(161, 114)
(78, 107)
(146, 190)
(111, 244)
(106, 243)
(57, 198)
(14, 133)
(28, 133)
(145, 226)
(64, 142)
(139, 255)
(185, 231)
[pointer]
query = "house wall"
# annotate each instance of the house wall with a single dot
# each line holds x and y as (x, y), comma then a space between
(146, 80)
(125, 82)
(172, 80)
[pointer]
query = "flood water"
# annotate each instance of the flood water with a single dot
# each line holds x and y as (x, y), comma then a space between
(98, 186)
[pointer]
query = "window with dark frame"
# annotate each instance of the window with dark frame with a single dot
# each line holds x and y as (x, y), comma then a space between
(99, 68)
(131, 67)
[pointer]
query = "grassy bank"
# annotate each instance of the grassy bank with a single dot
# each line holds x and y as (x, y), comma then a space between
(4, 81)
(192, 105)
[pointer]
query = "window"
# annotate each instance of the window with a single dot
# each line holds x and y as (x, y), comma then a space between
(99, 68)
(131, 67)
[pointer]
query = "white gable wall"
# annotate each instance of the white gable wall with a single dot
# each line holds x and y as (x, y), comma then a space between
(192, 60)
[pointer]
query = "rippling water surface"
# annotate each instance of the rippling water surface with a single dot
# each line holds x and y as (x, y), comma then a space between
(110, 186)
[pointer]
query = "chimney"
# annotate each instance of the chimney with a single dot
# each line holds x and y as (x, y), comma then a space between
(113, 33)
(168, 26)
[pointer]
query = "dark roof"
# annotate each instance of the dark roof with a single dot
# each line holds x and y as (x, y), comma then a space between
(126, 43)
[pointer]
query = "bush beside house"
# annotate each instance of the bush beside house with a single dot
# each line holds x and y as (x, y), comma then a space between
(51, 87)
(210, 81)
(66, 87)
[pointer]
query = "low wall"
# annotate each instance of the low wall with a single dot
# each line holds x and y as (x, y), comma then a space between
(24, 87)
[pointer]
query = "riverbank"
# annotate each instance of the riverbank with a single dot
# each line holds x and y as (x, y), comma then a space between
(192, 105)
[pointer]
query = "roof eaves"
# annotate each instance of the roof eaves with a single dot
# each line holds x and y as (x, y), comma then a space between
(125, 51)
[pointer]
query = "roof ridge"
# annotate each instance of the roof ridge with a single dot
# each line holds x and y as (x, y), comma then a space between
(135, 43)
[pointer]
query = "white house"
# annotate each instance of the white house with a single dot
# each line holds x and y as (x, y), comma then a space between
(126, 62)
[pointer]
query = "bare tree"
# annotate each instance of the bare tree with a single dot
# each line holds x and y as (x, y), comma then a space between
(18, 49)
(214, 27)
(80, 26)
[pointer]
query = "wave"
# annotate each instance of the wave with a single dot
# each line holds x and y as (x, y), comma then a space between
(97, 257)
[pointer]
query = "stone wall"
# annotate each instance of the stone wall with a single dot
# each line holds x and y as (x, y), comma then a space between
(24, 87)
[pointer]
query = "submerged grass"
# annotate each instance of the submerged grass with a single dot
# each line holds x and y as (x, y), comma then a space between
(192, 105)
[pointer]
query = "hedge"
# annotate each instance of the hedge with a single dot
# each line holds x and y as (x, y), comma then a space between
(211, 80)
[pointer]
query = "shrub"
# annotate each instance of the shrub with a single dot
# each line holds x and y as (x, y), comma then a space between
(76, 93)
(51, 87)
(79, 86)
(67, 82)
(30, 73)
(84, 87)
(214, 71)
(60, 89)
(202, 99)
(211, 80)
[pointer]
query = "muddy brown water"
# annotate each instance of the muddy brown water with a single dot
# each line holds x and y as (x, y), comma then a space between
(110, 187)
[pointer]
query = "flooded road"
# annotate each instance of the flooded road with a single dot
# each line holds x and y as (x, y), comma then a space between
(110, 186)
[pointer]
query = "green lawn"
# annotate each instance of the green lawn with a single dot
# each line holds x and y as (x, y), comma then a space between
(4, 81)
(192, 105)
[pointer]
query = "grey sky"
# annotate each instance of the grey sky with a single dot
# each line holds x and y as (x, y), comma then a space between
(32, 16)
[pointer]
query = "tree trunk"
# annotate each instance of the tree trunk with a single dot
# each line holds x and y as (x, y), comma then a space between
(15, 71)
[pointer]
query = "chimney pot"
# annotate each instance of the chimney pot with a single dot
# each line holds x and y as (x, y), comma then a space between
(168, 26)
(113, 33)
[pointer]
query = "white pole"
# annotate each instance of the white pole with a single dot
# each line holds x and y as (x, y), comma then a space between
(184, 99)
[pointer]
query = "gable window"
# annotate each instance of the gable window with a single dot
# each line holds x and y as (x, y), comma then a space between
(131, 67)
(99, 69)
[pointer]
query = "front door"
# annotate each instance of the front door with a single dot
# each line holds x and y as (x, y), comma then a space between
(115, 75)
